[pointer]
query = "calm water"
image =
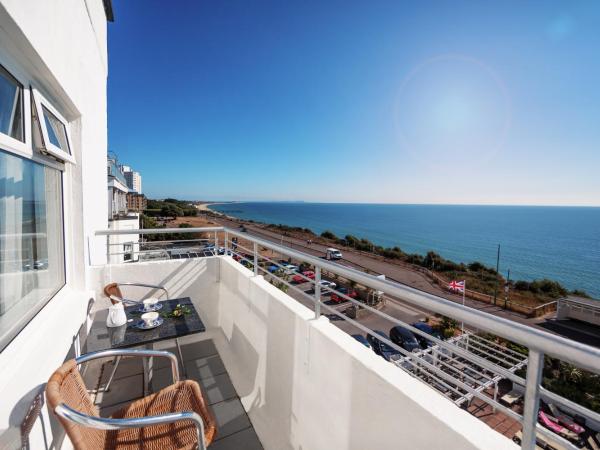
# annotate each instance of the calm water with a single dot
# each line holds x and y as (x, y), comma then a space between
(561, 243)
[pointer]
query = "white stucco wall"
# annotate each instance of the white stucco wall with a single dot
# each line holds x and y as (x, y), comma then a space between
(308, 385)
(117, 242)
(60, 46)
(195, 278)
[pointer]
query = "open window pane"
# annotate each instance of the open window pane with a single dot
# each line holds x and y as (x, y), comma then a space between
(50, 130)
(11, 106)
(57, 133)
(32, 265)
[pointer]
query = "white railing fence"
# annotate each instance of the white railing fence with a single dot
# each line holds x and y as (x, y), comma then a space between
(462, 368)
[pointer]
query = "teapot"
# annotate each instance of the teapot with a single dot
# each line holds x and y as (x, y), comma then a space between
(116, 316)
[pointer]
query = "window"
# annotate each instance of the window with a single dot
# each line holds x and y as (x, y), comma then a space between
(50, 129)
(128, 251)
(32, 249)
(11, 106)
(31, 241)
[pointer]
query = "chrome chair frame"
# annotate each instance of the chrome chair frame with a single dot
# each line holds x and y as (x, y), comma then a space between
(102, 423)
(152, 286)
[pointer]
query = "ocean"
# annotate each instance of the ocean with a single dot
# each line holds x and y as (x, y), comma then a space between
(559, 243)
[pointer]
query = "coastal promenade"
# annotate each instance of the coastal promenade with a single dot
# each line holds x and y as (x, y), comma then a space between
(375, 265)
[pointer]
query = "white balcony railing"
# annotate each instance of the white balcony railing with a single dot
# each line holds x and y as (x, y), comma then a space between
(464, 367)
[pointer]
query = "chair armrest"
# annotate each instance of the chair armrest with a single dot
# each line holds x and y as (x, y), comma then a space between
(102, 423)
(138, 353)
(153, 286)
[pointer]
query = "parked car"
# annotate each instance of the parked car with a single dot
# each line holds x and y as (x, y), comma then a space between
(381, 348)
(363, 340)
(302, 279)
(290, 269)
(424, 342)
(349, 292)
(328, 284)
(404, 338)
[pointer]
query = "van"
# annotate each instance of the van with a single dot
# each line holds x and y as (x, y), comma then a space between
(332, 253)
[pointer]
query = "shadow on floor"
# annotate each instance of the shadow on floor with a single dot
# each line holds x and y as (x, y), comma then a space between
(204, 365)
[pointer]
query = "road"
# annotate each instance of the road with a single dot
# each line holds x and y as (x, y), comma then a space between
(394, 272)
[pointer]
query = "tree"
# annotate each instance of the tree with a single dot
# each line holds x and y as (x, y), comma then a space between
(148, 222)
(192, 212)
(171, 210)
(476, 266)
(328, 235)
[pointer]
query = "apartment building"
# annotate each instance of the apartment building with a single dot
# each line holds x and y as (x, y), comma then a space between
(134, 179)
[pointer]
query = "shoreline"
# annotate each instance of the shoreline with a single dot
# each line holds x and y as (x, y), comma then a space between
(298, 236)
(393, 270)
(519, 286)
(204, 207)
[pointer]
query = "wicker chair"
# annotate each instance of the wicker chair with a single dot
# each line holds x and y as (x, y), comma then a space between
(176, 417)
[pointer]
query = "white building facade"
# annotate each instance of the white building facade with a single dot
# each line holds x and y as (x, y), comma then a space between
(117, 189)
(53, 144)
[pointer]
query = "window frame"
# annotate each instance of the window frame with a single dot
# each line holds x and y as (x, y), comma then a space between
(40, 103)
(54, 159)
(21, 148)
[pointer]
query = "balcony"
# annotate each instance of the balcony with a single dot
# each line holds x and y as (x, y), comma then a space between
(297, 379)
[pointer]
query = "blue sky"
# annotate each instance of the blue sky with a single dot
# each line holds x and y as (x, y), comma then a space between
(383, 102)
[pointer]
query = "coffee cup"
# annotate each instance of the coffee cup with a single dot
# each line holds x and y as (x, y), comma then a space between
(149, 318)
(149, 303)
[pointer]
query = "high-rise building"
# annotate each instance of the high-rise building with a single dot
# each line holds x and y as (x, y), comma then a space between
(134, 179)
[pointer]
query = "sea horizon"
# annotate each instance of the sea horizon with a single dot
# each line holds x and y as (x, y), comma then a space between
(537, 241)
(216, 202)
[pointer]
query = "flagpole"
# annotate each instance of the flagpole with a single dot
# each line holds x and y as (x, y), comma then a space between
(464, 290)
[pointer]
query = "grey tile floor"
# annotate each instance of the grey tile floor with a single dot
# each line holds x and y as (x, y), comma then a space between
(203, 364)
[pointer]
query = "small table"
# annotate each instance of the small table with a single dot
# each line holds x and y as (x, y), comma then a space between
(101, 337)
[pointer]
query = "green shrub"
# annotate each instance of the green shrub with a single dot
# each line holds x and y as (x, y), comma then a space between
(580, 293)
(328, 235)
(548, 287)
(521, 285)
(171, 210)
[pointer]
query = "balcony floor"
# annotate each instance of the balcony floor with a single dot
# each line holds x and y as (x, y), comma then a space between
(203, 364)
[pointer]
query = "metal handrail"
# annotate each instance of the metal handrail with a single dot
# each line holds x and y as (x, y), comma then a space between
(158, 231)
(578, 303)
(539, 342)
(580, 354)
(151, 286)
(136, 353)
(102, 423)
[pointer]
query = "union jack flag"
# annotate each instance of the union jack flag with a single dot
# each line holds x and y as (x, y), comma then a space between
(458, 286)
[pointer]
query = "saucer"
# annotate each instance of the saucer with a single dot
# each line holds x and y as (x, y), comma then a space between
(156, 307)
(142, 325)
